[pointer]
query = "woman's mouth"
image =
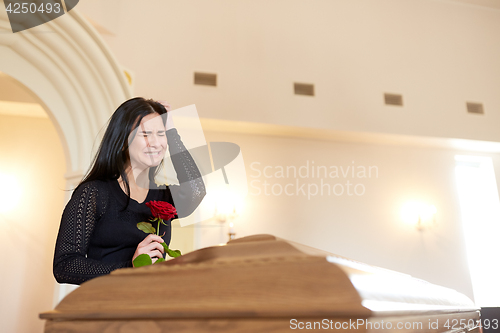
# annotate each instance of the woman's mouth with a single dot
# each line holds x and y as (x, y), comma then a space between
(153, 153)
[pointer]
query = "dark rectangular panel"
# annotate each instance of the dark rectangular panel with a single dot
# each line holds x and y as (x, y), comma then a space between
(205, 79)
(303, 89)
(476, 108)
(393, 99)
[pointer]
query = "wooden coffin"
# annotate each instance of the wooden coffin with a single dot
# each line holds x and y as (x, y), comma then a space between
(261, 283)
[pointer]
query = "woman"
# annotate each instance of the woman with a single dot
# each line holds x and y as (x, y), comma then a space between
(98, 231)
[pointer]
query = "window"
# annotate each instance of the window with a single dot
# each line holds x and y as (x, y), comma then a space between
(480, 207)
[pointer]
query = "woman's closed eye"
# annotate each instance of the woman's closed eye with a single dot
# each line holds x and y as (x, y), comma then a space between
(148, 133)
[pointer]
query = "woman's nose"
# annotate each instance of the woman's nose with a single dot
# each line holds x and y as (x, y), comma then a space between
(152, 140)
(156, 140)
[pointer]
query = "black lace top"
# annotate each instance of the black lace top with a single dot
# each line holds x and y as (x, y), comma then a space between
(97, 236)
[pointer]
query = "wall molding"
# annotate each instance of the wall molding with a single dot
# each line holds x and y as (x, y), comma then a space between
(309, 133)
(69, 71)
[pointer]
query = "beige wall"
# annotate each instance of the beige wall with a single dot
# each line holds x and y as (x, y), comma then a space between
(367, 227)
(31, 151)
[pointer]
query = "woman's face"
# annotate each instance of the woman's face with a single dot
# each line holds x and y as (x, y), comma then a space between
(147, 147)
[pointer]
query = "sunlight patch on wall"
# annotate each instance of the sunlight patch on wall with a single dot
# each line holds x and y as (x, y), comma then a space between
(22, 109)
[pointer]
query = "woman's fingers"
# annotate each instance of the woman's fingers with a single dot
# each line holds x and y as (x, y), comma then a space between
(156, 254)
(152, 246)
(156, 238)
(151, 238)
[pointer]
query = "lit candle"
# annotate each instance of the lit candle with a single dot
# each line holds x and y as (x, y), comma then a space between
(231, 228)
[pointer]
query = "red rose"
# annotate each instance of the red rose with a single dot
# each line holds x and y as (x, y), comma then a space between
(162, 209)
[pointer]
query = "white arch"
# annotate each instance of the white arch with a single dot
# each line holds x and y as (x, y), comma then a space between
(74, 75)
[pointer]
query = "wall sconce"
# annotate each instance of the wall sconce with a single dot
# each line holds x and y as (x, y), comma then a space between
(422, 215)
(227, 208)
(10, 193)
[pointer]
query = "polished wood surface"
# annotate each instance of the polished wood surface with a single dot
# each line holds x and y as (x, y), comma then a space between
(257, 284)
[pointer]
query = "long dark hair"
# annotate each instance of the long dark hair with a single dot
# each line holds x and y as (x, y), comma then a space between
(112, 156)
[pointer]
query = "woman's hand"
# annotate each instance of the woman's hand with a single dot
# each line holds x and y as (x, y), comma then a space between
(170, 122)
(151, 245)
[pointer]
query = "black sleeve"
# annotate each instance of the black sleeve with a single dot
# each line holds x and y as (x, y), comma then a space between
(84, 209)
(188, 195)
